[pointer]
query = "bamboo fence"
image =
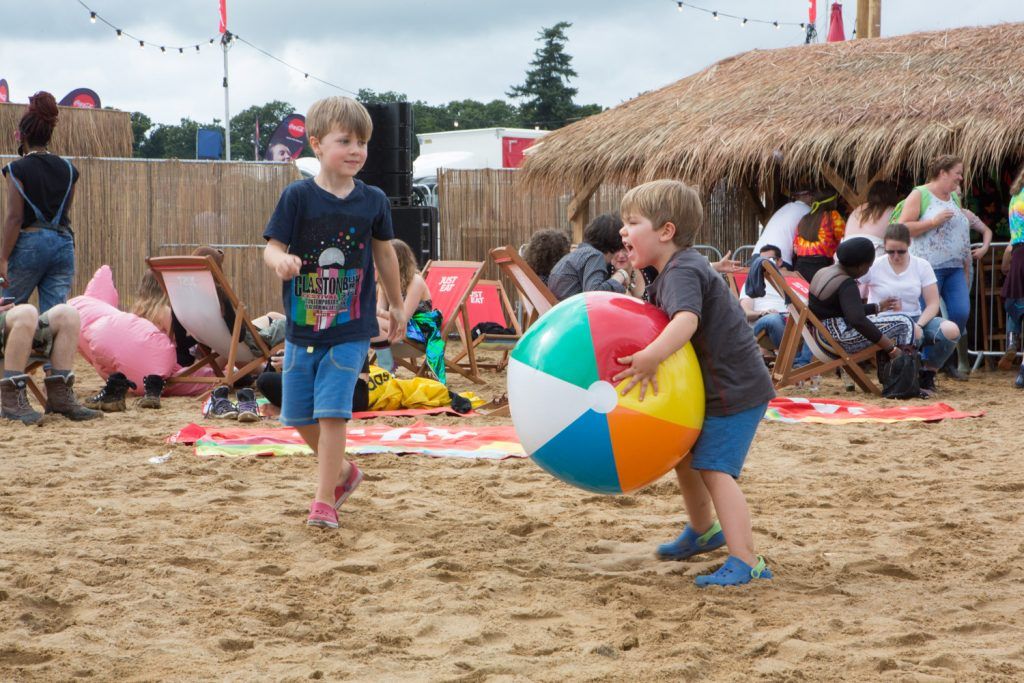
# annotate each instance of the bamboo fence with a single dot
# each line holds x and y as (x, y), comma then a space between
(483, 209)
(127, 209)
(79, 132)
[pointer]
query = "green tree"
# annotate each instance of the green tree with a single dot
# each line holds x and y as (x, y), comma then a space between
(548, 97)
(141, 124)
(174, 142)
(243, 128)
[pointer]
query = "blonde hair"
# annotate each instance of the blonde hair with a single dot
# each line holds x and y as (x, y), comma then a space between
(339, 112)
(150, 299)
(407, 266)
(667, 201)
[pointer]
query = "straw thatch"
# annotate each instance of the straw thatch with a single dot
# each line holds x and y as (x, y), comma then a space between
(838, 111)
(79, 132)
(127, 209)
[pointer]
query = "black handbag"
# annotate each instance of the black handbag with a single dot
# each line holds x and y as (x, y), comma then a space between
(901, 377)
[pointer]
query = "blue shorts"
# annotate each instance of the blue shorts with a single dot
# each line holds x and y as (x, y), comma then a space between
(318, 381)
(725, 440)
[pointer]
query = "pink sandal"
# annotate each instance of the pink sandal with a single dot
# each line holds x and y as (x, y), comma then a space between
(343, 491)
(322, 515)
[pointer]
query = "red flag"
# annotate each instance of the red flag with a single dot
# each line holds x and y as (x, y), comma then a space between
(812, 11)
(223, 16)
(835, 24)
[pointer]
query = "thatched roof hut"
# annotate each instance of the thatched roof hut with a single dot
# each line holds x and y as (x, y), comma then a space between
(846, 112)
(79, 132)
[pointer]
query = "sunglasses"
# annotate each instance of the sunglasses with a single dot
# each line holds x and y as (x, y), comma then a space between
(900, 252)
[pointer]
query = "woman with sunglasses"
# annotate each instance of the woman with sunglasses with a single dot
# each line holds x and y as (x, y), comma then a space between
(903, 282)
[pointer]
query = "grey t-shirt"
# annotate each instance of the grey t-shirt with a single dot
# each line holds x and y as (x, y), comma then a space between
(735, 378)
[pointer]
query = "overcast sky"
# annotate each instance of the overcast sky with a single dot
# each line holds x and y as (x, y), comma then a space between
(433, 51)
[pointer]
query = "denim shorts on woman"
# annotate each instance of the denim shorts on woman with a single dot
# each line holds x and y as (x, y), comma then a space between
(725, 440)
(318, 381)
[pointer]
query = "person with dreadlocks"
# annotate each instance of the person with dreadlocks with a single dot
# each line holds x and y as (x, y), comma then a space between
(38, 247)
(818, 234)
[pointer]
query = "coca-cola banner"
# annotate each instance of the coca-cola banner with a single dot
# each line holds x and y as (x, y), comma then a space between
(5, 91)
(83, 98)
(288, 140)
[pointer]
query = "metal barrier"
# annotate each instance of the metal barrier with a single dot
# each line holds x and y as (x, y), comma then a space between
(709, 251)
(987, 328)
(743, 253)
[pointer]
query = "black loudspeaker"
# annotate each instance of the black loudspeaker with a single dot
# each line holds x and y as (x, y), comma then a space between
(389, 153)
(417, 227)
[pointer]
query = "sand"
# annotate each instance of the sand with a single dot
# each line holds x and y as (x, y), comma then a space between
(898, 550)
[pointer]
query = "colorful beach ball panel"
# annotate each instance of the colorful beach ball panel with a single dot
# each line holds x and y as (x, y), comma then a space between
(575, 424)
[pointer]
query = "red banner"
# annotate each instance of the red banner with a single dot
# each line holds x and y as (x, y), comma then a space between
(836, 33)
(812, 11)
(223, 16)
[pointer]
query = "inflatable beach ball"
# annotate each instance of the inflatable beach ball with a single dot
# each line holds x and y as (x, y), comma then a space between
(571, 419)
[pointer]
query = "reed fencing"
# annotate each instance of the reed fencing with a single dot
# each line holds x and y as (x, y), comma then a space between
(79, 132)
(483, 209)
(127, 209)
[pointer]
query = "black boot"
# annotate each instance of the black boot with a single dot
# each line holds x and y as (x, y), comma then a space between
(927, 380)
(1019, 382)
(14, 401)
(154, 386)
(110, 399)
(60, 398)
(951, 370)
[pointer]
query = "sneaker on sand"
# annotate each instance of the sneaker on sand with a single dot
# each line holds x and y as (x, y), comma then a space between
(690, 543)
(221, 406)
(248, 409)
(322, 515)
(735, 572)
(110, 398)
(343, 491)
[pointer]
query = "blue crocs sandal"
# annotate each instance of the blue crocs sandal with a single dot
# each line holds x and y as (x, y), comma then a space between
(691, 543)
(735, 572)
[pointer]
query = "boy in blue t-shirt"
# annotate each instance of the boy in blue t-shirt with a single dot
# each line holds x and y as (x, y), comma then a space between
(323, 240)
(661, 219)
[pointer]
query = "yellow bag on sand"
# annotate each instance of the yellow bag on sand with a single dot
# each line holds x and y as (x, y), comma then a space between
(388, 392)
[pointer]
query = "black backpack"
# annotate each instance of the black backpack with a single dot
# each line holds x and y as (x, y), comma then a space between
(901, 377)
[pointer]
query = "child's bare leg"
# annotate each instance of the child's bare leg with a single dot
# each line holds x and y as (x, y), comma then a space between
(733, 514)
(311, 435)
(330, 457)
(695, 497)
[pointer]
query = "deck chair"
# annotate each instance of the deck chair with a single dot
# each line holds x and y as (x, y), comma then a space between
(450, 284)
(489, 303)
(191, 284)
(535, 296)
(804, 326)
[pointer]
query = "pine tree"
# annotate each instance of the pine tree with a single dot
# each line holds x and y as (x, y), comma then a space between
(547, 93)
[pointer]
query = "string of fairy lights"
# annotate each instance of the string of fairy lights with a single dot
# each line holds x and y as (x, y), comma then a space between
(122, 34)
(682, 5)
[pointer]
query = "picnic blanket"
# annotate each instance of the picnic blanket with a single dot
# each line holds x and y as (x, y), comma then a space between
(834, 411)
(490, 443)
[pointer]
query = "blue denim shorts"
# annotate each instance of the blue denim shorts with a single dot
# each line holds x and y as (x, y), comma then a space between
(725, 440)
(318, 381)
(43, 259)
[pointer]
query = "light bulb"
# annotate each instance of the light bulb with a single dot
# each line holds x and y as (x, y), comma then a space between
(92, 17)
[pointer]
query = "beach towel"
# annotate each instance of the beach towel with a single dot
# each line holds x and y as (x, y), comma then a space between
(833, 411)
(425, 328)
(470, 442)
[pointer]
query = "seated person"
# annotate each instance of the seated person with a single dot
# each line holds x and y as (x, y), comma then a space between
(585, 268)
(870, 219)
(901, 278)
(835, 299)
(424, 326)
(53, 334)
(768, 313)
(544, 250)
(637, 284)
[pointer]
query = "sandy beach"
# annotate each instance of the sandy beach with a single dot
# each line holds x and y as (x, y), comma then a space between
(898, 552)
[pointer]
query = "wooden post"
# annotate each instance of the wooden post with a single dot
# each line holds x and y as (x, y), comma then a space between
(875, 19)
(841, 186)
(862, 19)
(579, 208)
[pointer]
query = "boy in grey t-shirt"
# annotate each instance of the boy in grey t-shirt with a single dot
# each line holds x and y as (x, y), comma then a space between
(661, 219)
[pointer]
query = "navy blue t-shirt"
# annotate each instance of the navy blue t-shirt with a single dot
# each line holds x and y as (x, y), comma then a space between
(334, 297)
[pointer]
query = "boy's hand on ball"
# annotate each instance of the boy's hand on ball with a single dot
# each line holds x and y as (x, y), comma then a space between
(642, 370)
(288, 266)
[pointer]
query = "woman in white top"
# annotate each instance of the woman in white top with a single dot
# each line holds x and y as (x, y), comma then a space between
(871, 218)
(904, 282)
(941, 235)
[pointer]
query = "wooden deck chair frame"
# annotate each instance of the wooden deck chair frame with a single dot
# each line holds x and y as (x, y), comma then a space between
(503, 342)
(537, 299)
(230, 373)
(410, 360)
(762, 338)
(828, 353)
